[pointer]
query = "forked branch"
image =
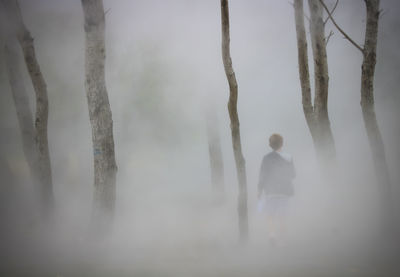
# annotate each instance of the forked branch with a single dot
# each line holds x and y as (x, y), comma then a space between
(328, 37)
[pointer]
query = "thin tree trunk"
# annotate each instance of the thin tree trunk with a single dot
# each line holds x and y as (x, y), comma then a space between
(234, 118)
(214, 151)
(321, 79)
(24, 113)
(368, 108)
(316, 114)
(43, 164)
(105, 167)
(21, 101)
(42, 111)
(308, 108)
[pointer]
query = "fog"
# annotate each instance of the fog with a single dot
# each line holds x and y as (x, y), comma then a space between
(163, 69)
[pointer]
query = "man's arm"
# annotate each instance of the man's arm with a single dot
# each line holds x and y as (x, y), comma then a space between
(292, 170)
(262, 177)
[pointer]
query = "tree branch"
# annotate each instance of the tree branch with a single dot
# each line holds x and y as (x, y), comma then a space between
(333, 9)
(307, 17)
(327, 39)
(340, 29)
(381, 13)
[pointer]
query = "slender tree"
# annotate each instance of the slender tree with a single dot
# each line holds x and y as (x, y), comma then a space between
(367, 103)
(37, 156)
(316, 114)
(105, 167)
(22, 107)
(214, 150)
(303, 67)
(234, 118)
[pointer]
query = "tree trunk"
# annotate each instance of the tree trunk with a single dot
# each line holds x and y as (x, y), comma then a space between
(214, 150)
(234, 118)
(24, 114)
(105, 167)
(308, 108)
(368, 109)
(325, 140)
(42, 164)
(21, 101)
(316, 115)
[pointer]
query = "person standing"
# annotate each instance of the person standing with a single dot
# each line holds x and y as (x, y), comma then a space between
(275, 188)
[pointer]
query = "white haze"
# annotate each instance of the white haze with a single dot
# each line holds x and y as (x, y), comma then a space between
(163, 68)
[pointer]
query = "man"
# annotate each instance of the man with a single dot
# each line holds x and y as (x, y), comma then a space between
(275, 187)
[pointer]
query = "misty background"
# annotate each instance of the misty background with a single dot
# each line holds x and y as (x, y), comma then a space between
(163, 69)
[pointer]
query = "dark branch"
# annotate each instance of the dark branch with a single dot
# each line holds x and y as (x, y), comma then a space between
(340, 29)
(332, 11)
(382, 12)
(307, 17)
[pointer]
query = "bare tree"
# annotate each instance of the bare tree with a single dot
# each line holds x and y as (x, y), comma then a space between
(316, 114)
(367, 103)
(38, 155)
(234, 118)
(214, 150)
(105, 167)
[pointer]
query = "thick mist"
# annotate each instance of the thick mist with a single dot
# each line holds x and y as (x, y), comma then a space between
(163, 69)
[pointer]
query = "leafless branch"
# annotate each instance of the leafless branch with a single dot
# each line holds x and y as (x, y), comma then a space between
(382, 12)
(340, 29)
(107, 12)
(307, 17)
(328, 37)
(332, 11)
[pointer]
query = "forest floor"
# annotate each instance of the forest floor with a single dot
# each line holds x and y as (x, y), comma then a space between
(207, 260)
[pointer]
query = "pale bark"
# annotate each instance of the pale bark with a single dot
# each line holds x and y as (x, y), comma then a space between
(214, 151)
(42, 166)
(235, 126)
(321, 79)
(308, 108)
(368, 106)
(105, 167)
(316, 114)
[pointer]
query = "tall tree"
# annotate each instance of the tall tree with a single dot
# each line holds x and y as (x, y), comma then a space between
(367, 103)
(235, 126)
(105, 167)
(214, 150)
(38, 155)
(316, 114)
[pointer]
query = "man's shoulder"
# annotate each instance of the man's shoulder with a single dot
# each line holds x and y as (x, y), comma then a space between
(286, 156)
(273, 155)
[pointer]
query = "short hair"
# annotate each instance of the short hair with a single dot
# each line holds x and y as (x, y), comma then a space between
(275, 141)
